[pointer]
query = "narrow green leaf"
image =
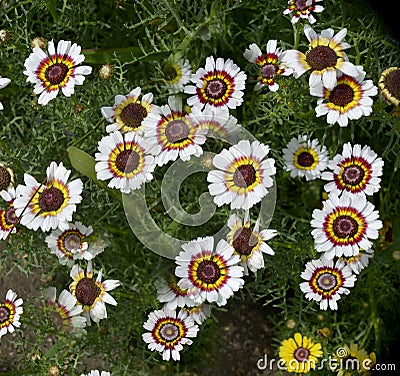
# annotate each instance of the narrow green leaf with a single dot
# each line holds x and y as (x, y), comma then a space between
(124, 54)
(84, 163)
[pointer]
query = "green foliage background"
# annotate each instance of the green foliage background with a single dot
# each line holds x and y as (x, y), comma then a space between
(137, 37)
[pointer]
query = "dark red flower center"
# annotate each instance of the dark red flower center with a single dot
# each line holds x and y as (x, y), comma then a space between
(301, 354)
(51, 199)
(341, 95)
(216, 88)
(127, 161)
(170, 73)
(56, 73)
(321, 57)
(10, 216)
(244, 241)
(4, 313)
(72, 242)
(301, 4)
(169, 332)
(268, 71)
(244, 176)
(345, 226)
(392, 83)
(5, 178)
(132, 115)
(353, 175)
(305, 159)
(208, 271)
(87, 291)
(177, 131)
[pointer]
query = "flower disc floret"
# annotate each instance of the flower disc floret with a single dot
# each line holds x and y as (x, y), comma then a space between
(389, 84)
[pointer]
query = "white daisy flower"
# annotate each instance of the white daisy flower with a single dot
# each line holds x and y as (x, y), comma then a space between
(344, 225)
(49, 205)
(219, 84)
(172, 295)
(243, 176)
(214, 274)
(326, 282)
(305, 158)
(168, 332)
(6, 177)
(56, 70)
(3, 83)
(199, 313)
(96, 373)
(356, 170)
(249, 243)
(359, 261)
(173, 134)
(124, 159)
(72, 243)
(8, 218)
(177, 74)
(325, 56)
(348, 99)
(269, 64)
(65, 313)
(129, 111)
(10, 312)
(303, 9)
(92, 293)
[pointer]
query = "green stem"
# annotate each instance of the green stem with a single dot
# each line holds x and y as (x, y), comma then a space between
(296, 35)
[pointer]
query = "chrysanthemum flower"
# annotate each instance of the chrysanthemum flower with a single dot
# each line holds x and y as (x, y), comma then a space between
(215, 123)
(344, 225)
(243, 176)
(10, 311)
(3, 83)
(359, 261)
(345, 357)
(326, 282)
(92, 293)
(56, 70)
(249, 243)
(349, 99)
(72, 243)
(97, 373)
(300, 354)
(6, 177)
(305, 157)
(325, 56)
(8, 218)
(129, 111)
(49, 205)
(303, 9)
(270, 65)
(172, 295)
(199, 313)
(64, 313)
(215, 275)
(124, 159)
(177, 74)
(356, 170)
(173, 134)
(168, 332)
(389, 84)
(219, 84)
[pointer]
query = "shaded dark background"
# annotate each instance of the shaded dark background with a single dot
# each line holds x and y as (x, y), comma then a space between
(388, 10)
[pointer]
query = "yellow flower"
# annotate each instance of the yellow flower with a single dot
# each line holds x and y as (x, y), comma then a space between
(300, 354)
(349, 358)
